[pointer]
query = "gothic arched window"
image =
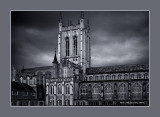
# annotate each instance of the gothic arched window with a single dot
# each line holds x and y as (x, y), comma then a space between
(83, 91)
(109, 92)
(52, 89)
(67, 89)
(136, 91)
(75, 45)
(122, 92)
(59, 89)
(67, 46)
(96, 91)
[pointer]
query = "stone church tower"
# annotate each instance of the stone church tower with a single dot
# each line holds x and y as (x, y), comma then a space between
(74, 42)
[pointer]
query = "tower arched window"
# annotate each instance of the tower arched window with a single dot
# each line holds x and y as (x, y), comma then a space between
(67, 46)
(75, 45)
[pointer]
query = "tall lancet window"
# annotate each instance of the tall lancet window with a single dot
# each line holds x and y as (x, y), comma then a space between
(67, 46)
(75, 45)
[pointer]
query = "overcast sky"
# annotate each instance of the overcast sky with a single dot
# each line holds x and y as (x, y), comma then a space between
(117, 37)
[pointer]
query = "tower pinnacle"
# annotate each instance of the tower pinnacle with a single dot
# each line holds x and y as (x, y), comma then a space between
(55, 58)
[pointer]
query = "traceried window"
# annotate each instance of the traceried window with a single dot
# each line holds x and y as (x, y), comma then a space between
(122, 92)
(108, 92)
(59, 89)
(83, 91)
(75, 45)
(67, 46)
(96, 91)
(67, 89)
(136, 92)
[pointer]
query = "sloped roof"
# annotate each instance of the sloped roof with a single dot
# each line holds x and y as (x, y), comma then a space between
(116, 69)
(21, 87)
(32, 70)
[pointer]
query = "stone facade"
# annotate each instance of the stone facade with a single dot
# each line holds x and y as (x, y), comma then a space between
(71, 81)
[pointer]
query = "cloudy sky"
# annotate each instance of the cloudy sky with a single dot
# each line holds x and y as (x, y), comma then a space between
(117, 37)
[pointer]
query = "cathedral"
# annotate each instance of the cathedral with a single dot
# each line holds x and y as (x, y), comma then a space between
(71, 81)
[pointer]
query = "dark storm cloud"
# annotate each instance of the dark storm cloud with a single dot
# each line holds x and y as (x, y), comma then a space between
(116, 37)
